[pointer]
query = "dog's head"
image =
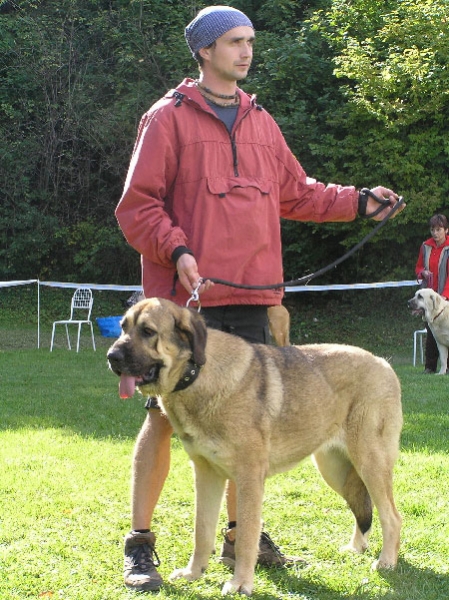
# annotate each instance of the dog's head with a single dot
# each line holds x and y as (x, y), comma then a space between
(158, 340)
(425, 303)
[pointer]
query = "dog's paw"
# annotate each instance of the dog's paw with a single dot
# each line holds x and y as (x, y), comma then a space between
(233, 588)
(356, 548)
(358, 543)
(186, 573)
(382, 565)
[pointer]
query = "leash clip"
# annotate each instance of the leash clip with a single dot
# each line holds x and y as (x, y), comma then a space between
(195, 295)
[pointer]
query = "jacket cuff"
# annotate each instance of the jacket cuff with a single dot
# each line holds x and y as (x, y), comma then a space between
(178, 252)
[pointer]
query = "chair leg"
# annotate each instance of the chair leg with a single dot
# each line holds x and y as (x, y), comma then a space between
(68, 337)
(92, 333)
(421, 345)
(52, 337)
(415, 345)
(414, 349)
(78, 340)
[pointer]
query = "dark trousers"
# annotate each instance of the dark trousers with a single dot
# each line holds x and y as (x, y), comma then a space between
(247, 321)
(432, 354)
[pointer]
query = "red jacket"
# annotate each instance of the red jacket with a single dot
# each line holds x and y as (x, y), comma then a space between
(435, 259)
(190, 183)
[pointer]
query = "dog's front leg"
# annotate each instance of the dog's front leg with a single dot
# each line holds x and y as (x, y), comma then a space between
(443, 358)
(209, 488)
(250, 488)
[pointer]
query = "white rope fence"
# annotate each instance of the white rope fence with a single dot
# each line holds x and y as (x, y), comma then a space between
(137, 288)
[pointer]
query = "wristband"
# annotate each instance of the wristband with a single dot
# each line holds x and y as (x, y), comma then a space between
(363, 201)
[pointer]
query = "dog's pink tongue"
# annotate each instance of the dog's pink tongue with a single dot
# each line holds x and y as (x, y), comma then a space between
(127, 386)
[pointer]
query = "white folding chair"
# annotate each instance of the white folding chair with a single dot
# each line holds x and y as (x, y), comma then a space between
(81, 306)
(417, 337)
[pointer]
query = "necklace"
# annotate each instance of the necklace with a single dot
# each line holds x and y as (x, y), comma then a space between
(211, 93)
(233, 102)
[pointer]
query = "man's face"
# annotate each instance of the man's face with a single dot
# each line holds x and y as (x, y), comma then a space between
(231, 55)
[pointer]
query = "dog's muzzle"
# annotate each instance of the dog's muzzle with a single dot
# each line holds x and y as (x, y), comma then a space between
(130, 375)
(416, 310)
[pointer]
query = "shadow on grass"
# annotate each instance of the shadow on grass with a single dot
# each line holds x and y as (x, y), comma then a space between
(408, 582)
(405, 583)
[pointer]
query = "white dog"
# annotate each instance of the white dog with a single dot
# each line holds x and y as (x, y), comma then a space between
(434, 309)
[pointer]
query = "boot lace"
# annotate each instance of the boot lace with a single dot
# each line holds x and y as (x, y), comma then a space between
(265, 539)
(141, 557)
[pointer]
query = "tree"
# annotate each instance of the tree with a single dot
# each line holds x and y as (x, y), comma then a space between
(75, 78)
(390, 61)
(358, 88)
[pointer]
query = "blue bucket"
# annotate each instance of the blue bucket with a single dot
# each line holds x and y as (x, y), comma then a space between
(109, 326)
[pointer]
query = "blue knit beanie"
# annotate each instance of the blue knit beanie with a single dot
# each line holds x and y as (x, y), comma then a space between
(211, 23)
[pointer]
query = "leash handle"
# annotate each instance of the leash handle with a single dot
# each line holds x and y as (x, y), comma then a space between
(363, 200)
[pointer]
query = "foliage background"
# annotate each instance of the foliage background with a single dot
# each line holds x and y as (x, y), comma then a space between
(360, 90)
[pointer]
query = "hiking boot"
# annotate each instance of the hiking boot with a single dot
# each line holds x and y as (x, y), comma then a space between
(269, 554)
(140, 567)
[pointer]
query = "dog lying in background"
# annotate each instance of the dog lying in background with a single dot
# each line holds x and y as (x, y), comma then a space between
(434, 309)
(247, 411)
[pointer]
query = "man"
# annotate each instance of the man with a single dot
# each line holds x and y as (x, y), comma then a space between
(210, 176)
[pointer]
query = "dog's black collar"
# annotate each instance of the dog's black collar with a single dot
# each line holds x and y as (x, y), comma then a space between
(190, 374)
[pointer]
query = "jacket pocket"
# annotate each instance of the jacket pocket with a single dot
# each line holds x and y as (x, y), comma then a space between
(220, 186)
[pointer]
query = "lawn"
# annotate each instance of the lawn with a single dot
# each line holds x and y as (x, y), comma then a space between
(65, 455)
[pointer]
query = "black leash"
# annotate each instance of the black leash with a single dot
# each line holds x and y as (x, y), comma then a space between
(305, 280)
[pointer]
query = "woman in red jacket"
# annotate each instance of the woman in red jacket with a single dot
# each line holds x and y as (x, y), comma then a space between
(433, 269)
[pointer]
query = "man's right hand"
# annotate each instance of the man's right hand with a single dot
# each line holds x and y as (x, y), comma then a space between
(188, 274)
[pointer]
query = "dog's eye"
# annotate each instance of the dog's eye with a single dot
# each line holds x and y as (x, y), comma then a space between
(149, 332)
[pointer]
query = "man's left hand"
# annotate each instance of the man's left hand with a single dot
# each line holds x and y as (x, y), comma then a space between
(388, 194)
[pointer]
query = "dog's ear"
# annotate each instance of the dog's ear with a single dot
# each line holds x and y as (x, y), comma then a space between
(435, 301)
(192, 324)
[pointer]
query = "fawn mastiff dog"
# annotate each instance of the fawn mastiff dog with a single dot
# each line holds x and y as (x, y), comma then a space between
(247, 411)
(434, 309)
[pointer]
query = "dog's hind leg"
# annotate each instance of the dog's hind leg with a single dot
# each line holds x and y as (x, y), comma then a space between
(378, 479)
(339, 473)
(209, 486)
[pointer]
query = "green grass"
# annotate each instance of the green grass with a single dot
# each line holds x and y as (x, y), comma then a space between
(66, 442)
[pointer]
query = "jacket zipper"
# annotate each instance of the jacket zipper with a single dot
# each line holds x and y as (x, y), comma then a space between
(235, 160)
